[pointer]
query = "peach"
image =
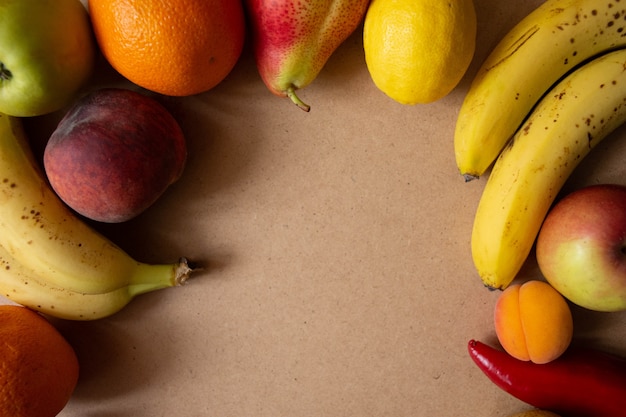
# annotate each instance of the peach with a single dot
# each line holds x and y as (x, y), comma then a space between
(533, 322)
(114, 154)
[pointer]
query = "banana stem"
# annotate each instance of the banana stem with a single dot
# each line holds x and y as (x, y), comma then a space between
(149, 277)
(291, 93)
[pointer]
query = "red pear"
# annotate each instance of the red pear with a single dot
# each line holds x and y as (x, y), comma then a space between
(294, 39)
(113, 154)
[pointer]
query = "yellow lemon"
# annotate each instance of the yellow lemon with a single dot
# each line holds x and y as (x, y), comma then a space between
(417, 51)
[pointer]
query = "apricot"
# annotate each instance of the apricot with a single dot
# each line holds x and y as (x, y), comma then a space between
(533, 322)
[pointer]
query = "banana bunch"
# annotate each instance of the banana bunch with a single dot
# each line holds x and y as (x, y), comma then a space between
(538, 129)
(544, 46)
(52, 261)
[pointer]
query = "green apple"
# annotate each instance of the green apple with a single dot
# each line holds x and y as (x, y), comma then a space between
(581, 247)
(47, 53)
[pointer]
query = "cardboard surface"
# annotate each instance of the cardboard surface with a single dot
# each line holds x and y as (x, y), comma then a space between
(339, 280)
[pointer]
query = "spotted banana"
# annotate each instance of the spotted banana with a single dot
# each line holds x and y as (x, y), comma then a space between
(573, 117)
(544, 46)
(20, 284)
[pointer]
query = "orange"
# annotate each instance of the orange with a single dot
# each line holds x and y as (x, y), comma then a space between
(172, 47)
(38, 367)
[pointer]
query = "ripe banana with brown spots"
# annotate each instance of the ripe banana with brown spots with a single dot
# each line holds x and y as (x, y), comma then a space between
(22, 285)
(544, 46)
(572, 118)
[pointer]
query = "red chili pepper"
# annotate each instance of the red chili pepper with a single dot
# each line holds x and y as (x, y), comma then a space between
(580, 383)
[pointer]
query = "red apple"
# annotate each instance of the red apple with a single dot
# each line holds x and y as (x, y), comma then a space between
(114, 154)
(581, 247)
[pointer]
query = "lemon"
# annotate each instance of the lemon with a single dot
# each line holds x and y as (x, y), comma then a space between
(417, 51)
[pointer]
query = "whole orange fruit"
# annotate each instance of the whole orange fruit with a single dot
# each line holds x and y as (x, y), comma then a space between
(38, 367)
(172, 47)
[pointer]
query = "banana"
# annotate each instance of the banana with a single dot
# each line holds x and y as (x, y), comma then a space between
(37, 229)
(578, 113)
(21, 285)
(541, 49)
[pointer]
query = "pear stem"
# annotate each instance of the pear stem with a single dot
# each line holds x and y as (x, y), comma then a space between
(291, 93)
